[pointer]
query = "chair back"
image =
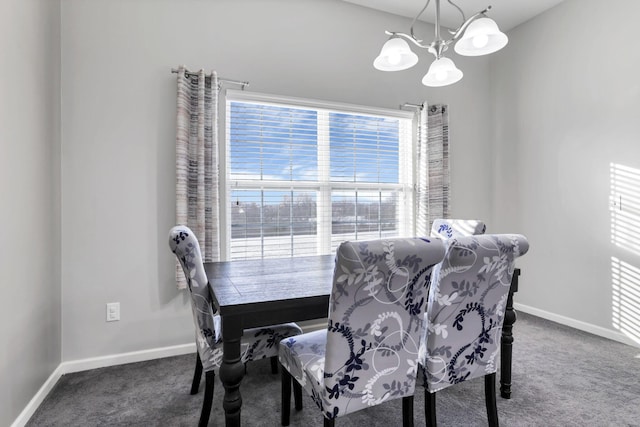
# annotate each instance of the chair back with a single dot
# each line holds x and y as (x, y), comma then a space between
(448, 228)
(376, 319)
(465, 312)
(184, 244)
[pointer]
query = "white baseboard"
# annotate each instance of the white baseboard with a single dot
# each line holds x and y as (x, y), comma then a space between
(94, 363)
(122, 358)
(35, 402)
(577, 324)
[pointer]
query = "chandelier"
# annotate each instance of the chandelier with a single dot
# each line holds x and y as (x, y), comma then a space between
(478, 35)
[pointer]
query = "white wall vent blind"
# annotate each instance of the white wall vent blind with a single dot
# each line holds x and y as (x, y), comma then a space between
(302, 179)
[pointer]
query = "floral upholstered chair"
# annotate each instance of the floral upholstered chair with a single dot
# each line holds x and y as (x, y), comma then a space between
(448, 228)
(465, 313)
(256, 343)
(369, 352)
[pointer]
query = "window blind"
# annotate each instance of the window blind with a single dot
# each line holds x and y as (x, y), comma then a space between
(302, 180)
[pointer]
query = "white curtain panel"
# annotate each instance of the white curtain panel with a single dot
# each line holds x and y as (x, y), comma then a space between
(197, 161)
(433, 200)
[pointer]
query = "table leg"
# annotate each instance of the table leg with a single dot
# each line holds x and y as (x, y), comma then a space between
(231, 370)
(506, 343)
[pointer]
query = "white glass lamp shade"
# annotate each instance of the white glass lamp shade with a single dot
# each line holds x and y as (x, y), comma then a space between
(442, 72)
(481, 37)
(395, 55)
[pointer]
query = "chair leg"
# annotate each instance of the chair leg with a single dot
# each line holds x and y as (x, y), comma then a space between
(490, 399)
(195, 384)
(285, 403)
(208, 399)
(297, 394)
(329, 422)
(274, 364)
(407, 411)
(430, 408)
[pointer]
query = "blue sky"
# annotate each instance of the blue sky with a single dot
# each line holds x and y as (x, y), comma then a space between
(280, 143)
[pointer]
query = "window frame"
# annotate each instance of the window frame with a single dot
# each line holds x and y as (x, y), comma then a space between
(407, 160)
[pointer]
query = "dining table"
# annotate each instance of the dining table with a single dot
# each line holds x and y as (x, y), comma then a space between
(262, 292)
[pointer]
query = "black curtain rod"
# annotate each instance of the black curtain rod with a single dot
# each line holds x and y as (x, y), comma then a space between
(220, 79)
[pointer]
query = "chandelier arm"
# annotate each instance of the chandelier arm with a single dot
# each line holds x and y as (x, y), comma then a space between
(409, 37)
(438, 46)
(416, 18)
(465, 24)
(459, 10)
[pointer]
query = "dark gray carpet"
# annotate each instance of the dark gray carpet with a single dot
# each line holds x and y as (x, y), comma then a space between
(561, 377)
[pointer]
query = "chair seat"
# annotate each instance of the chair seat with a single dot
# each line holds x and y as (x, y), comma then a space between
(260, 343)
(257, 343)
(303, 357)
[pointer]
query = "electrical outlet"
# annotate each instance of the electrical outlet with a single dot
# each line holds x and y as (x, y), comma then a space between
(113, 311)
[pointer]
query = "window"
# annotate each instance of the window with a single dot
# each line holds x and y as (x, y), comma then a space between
(301, 177)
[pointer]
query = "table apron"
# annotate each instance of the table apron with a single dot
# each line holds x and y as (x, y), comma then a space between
(251, 316)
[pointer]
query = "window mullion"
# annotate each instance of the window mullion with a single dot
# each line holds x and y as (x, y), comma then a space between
(324, 178)
(407, 146)
(262, 223)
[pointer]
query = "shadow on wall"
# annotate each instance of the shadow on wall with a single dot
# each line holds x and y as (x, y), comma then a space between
(625, 234)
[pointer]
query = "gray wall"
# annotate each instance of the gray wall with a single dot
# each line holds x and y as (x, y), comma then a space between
(567, 102)
(30, 320)
(118, 115)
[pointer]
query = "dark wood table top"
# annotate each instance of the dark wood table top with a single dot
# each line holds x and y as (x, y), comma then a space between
(268, 291)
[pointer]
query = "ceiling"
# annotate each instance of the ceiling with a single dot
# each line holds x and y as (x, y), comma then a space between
(507, 13)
